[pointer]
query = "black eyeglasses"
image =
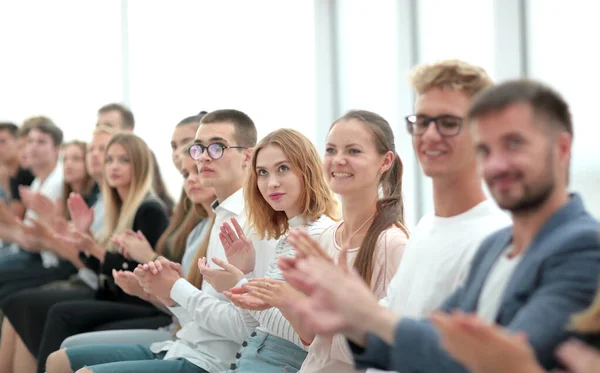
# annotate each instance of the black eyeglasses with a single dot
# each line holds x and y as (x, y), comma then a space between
(446, 125)
(215, 150)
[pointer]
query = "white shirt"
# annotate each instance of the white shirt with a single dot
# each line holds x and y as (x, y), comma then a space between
(495, 285)
(438, 256)
(212, 327)
(52, 188)
(98, 219)
(271, 321)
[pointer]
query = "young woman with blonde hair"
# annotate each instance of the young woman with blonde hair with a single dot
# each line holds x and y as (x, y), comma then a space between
(360, 160)
(129, 203)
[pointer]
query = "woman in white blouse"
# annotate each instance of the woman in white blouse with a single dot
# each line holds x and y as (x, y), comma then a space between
(286, 188)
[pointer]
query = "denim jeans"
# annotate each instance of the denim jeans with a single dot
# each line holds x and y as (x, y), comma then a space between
(126, 359)
(265, 353)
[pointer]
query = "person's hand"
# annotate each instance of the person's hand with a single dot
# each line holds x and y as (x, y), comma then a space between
(81, 215)
(221, 279)
(127, 281)
(306, 246)
(158, 277)
(482, 347)
(579, 358)
(240, 297)
(278, 294)
(134, 246)
(238, 248)
(82, 241)
(45, 208)
(339, 299)
(6, 216)
(26, 194)
(60, 225)
(43, 233)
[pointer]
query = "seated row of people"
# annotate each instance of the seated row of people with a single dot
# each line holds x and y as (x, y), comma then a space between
(256, 271)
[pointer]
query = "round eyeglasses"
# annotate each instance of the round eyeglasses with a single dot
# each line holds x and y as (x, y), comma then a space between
(214, 150)
(446, 125)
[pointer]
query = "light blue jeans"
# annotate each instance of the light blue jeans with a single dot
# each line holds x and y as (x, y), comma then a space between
(265, 353)
(126, 359)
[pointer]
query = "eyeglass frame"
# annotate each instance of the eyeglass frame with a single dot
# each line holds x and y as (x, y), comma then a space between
(409, 124)
(203, 148)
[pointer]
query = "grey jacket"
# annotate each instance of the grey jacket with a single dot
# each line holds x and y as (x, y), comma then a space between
(556, 278)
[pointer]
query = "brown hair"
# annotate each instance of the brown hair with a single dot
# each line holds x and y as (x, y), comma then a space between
(185, 218)
(88, 182)
(126, 113)
(245, 130)
(390, 208)
(194, 275)
(47, 126)
(452, 75)
(545, 102)
(11, 128)
(317, 199)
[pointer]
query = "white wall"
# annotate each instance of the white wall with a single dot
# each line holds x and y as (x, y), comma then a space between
(171, 59)
(564, 52)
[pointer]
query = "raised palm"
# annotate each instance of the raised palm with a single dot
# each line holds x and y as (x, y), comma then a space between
(43, 206)
(81, 215)
(238, 248)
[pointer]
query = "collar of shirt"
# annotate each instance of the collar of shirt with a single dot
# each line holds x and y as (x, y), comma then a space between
(234, 203)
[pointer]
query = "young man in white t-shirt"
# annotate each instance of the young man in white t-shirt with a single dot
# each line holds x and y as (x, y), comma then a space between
(32, 265)
(439, 252)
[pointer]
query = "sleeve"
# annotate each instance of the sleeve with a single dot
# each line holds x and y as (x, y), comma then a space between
(151, 219)
(220, 317)
(23, 177)
(567, 285)
(389, 253)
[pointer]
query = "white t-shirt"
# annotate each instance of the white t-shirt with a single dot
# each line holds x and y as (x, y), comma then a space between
(438, 256)
(52, 188)
(495, 285)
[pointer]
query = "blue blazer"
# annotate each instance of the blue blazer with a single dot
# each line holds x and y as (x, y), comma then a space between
(557, 277)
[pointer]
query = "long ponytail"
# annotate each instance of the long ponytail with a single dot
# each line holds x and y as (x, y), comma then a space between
(390, 208)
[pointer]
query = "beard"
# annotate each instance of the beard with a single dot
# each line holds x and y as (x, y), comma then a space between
(532, 199)
(534, 194)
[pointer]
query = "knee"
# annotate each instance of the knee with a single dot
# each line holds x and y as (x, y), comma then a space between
(83, 370)
(58, 362)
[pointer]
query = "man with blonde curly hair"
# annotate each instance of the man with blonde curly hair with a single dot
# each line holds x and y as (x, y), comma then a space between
(441, 247)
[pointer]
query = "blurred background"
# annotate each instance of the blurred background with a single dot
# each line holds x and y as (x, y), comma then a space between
(288, 63)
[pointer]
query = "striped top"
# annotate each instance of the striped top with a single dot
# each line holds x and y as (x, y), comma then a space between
(271, 321)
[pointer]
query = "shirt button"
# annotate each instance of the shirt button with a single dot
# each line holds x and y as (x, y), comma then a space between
(233, 366)
(244, 344)
(238, 355)
(125, 265)
(253, 334)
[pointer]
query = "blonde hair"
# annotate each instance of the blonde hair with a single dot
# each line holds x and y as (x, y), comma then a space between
(119, 214)
(317, 198)
(454, 75)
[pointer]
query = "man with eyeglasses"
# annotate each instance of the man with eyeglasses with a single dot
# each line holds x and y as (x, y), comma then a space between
(211, 329)
(438, 255)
